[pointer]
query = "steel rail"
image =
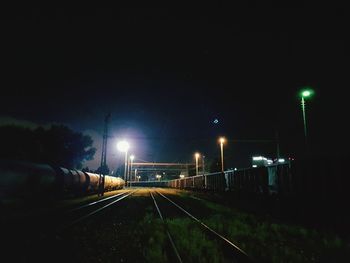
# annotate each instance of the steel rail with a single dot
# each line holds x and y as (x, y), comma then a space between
(209, 229)
(126, 194)
(168, 234)
(93, 203)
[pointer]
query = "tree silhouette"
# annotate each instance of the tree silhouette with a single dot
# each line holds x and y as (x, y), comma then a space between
(58, 145)
(103, 170)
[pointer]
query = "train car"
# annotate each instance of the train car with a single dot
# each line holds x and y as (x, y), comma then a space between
(94, 180)
(21, 179)
(199, 182)
(274, 179)
(215, 182)
(113, 183)
(249, 181)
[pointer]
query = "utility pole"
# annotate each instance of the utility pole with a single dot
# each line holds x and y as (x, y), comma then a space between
(277, 145)
(104, 154)
(203, 166)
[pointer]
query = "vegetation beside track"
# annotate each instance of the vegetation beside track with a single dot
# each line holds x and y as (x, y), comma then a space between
(267, 239)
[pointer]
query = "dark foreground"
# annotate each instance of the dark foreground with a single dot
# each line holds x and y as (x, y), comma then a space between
(131, 231)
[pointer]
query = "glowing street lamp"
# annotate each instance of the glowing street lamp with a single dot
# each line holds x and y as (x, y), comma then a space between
(123, 146)
(197, 155)
(305, 94)
(222, 141)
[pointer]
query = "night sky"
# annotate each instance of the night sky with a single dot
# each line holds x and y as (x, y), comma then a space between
(166, 74)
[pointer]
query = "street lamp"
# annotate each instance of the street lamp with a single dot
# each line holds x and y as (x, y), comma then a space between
(222, 140)
(305, 94)
(196, 155)
(123, 146)
(132, 157)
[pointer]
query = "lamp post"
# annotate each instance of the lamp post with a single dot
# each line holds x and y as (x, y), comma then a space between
(123, 146)
(304, 94)
(222, 140)
(203, 167)
(132, 157)
(196, 155)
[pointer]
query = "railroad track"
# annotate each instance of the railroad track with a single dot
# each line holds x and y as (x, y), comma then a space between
(231, 251)
(78, 214)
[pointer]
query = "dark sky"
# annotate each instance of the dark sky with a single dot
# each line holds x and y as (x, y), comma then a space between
(166, 74)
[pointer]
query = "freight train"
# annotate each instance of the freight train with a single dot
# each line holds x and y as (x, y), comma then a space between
(24, 180)
(260, 180)
(322, 180)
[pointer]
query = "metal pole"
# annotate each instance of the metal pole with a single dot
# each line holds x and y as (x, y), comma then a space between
(222, 156)
(277, 145)
(203, 167)
(125, 165)
(196, 165)
(130, 174)
(304, 117)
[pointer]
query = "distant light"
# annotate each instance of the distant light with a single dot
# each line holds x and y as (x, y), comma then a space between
(254, 166)
(222, 140)
(216, 121)
(132, 157)
(281, 160)
(123, 146)
(235, 169)
(197, 155)
(306, 92)
(182, 176)
(258, 158)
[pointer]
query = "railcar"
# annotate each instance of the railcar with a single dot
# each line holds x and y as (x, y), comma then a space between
(321, 180)
(269, 180)
(25, 179)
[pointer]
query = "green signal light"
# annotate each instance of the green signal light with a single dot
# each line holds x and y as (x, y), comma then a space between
(306, 93)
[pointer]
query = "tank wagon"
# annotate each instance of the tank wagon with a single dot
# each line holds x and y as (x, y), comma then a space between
(24, 179)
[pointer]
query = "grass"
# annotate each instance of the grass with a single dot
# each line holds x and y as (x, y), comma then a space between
(270, 241)
(151, 236)
(262, 237)
(192, 244)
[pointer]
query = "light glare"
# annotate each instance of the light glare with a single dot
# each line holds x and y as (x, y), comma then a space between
(123, 146)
